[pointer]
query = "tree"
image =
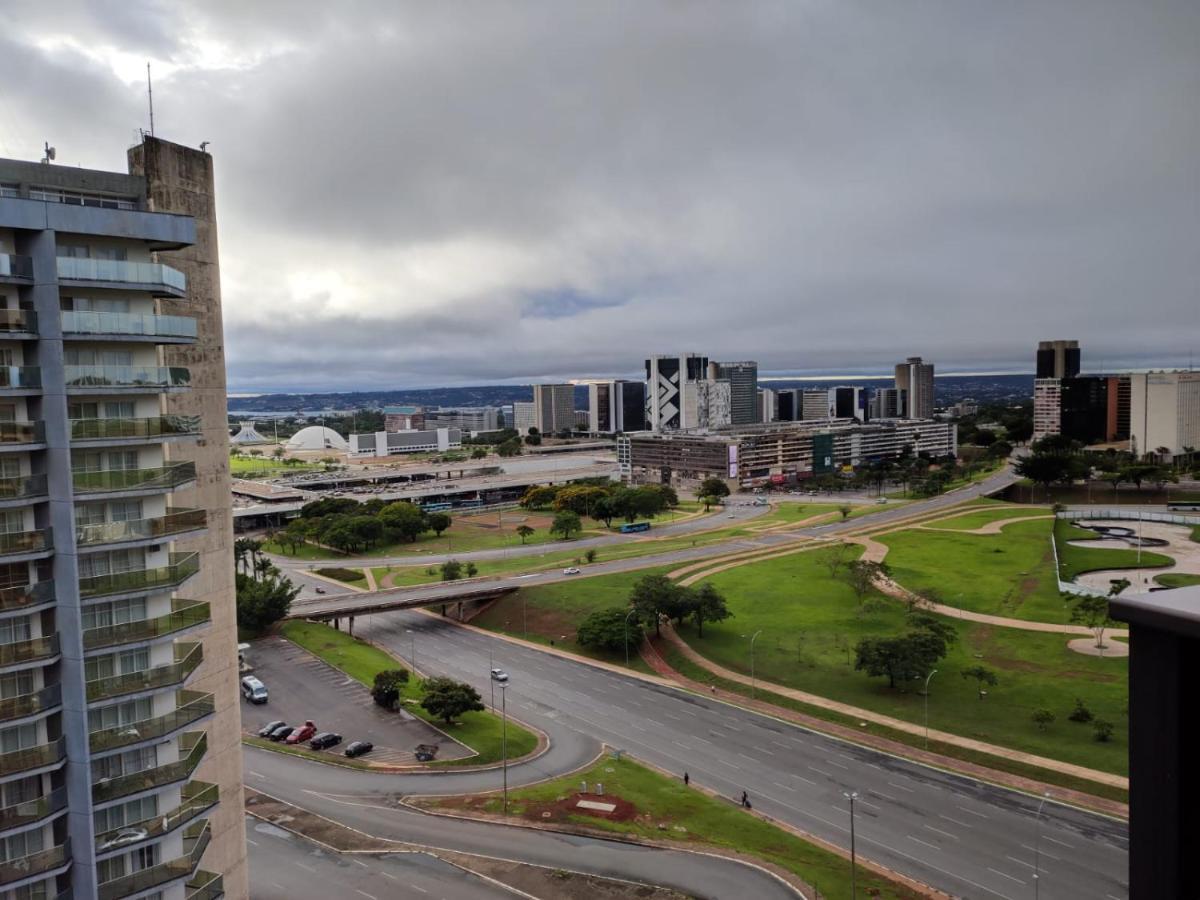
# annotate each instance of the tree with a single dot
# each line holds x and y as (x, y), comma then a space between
(1113, 477)
(708, 605)
(533, 440)
(654, 596)
(712, 490)
(566, 523)
(478, 453)
(386, 690)
(579, 499)
(845, 510)
(539, 497)
(835, 557)
(403, 519)
(861, 575)
(603, 511)
(511, 447)
(262, 603)
(1103, 729)
(438, 522)
(523, 532)
(982, 676)
(367, 530)
(452, 570)
(471, 569)
(1080, 713)
(446, 699)
(1043, 468)
(1042, 718)
(901, 658)
(590, 555)
(1092, 610)
(604, 630)
(278, 453)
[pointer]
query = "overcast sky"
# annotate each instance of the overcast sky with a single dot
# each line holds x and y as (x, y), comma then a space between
(449, 193)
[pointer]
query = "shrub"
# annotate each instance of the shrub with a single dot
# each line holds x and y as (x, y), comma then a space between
(386, 690)
(1080, 713)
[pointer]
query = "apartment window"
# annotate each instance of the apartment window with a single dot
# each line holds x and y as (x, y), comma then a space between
(72, 251)
(119, 714)
(128, 763)
(21, 791)
(10, 190)
(16, 684)
(93, 304)
(127, 863)
(104, 461)
(116, 612)
(19, 737)
(6, 357)
(126, 813)
(42, 890)
(16, 629)
(125, 511)
(12, 521)
(14, 575)
(22, 844)
(10, 467)
(83, 356)
(8, 412)
(89, 514)
(112, 562)
(114, 664)
(79, 198)
(110, 409)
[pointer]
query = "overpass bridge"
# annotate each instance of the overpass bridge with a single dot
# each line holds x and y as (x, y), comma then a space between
(361, 603)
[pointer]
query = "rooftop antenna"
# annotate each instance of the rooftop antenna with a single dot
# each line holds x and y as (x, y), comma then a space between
(150, 97)
(50, 154)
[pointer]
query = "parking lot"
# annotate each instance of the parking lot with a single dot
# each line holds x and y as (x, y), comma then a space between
(302, 687)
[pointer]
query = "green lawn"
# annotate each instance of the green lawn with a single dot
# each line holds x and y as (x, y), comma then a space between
(1177, 580)
(704, 820)
(266, 467)
(810, 625)
(349, 576)
(983, 517)
(481, 731)
(1074, 561)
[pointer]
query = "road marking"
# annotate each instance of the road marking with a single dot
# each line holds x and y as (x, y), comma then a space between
(838, 764)
(415, 887)
(1005, 875)
(953, 837)
(879, 793)
(248, 841)
(365, 894)
(1028, 865)
(1042, 852)
(259, 775)
(926, 843)
(744, 756)
(389, 875)
(784, 786)
(306, 868)
(669, 716)
(731, 765)
(363, 864)
(866, 803)
(821, 772)
(805, 780)
(1060, 843)
(778, 744)
(684, 746)
(902, 787)
(974, 813)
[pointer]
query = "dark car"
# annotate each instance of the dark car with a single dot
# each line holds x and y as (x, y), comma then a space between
(358, 748)
(280, 733)
(266, 730)
(325, 740)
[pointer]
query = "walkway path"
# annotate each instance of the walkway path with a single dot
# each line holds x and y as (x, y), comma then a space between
(990, 528)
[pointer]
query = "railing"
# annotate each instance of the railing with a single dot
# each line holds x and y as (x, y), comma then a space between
(149, 325)
(192, 745)
(152, 427)
(195, 841)
(184, 614)
(31, 810)
(158, 377)
(134, 479)
(20, 377)
(32, 757)
(205, 886)
(29, 651)
(117, 270)
(26, 541)
(193, 707)
(1130, 515)
(18, 321)
(195, 798)
(22, 432)
(26, 595)
(174, 522)
(22, 486)
(35, 863)
(14, 266)
(187, 658)
(31, 704)
(182, 567)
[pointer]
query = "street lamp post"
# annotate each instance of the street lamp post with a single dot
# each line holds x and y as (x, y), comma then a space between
(1037, 849)
(627, 615)
(753, 681)
(412, 650)
(927, 677)
(491, 680)
(504, 738)
(852, 796)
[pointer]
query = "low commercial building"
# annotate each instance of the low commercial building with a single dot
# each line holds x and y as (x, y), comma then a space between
(392, 443)
(466, 418)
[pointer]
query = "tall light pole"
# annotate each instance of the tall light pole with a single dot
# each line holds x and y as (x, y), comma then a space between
(927, 677)
(852, 796)
(412, 650)
(491, 679)
(627, 615)
(1037, 848)
(753, 682)
(504, 738)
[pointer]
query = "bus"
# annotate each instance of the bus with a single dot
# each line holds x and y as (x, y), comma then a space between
(436, 507)
(1183, 505)
(634, 527)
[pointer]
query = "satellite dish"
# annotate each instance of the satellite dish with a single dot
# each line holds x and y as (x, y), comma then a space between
(50, 153)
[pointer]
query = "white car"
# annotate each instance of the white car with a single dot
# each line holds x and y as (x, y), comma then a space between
(499, 675)
(730, 516)
(571, 570)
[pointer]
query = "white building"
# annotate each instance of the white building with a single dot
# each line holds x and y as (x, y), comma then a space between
(467, 418)
(524, 417)
(1164, 411)
(671, 389)
(554, 407)
(393, 443)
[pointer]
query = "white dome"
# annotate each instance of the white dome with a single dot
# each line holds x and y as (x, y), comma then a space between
(317, 437)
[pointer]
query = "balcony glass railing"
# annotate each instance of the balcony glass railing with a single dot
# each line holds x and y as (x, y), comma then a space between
(22, 486)
(18, 321)
(30, 704)
(187, 657)
(33, 757)
(110, 480)
(184, 614)
(22, 378)
(174, 522)
(152, 427)
(32, 810)
(134, 324)
(195, 841)
(122, 272)
(35, 863)
(193, 706)
(149, 377)
(25, 541)
(14, 266)
(22, 432)
(192, 747)
(195, 798)
(205, 886)
(29, 651)
(182, 567)
(26, 595)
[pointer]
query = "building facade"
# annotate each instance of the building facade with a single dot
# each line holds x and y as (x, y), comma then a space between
(554, 407)
(615, 406)
(743, 389)
(403, 418)
(524, 416)
(814, 405)
(394, 443)
(768, 405)
(671, 390)
(915, 378)
(1164, 414)
(1057, 359)
(464, 418)
(120, 756)
(887, 403)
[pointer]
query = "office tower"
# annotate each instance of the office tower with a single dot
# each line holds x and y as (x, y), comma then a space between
(1164, 414)
(672, 393)
(887, 403)
(814, 404)
(633, 406)
(788, 405)
(523, 417)
(743, 385)
(915, 378)
(768, 405)
(847, 403)
(1057, 359)
(554, 407)
(714, 404)
(119, 663)
(464, 418)
(616, 406)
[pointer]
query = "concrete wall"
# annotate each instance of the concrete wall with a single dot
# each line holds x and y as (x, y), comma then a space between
(180, 179)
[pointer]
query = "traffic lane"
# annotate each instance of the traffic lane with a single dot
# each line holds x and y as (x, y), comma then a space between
(578, 697)
(695, 874)
(284, 866)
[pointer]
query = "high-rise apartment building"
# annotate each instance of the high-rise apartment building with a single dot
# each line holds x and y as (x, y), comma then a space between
(671, 388)
(743, 389)
(1057, 359)
(554, 407)
(120, 756)
(915, 378)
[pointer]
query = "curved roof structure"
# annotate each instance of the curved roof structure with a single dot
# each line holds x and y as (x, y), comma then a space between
(317, 437)
(248, 435)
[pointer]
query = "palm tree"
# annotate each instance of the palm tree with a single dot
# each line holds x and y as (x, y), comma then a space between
(524, 531)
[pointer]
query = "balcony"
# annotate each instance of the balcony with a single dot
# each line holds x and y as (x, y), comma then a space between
(205, 886)
(195, 842)
(44, 861)
(88, 325)
(192, 746)
(32, 650)
(26, 596)
(32, 810)
(104, 379)
(142, 581)
(20, 378)
(33, 757)
(22, 487)
(30, 704)
(36, 541)
(163, 281)
(17, 322)
(15, 434)
(152, 428)
(175, 522)
(184, 614)
(13, 266)
(195, 798)
(187, 658)
(110, 481)
(193, 706)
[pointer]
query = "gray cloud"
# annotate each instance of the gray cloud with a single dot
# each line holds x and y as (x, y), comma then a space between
(448, 193)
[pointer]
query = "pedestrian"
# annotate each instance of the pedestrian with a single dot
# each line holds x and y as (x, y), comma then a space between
(745, 800)
(714, 687)
(686, 779)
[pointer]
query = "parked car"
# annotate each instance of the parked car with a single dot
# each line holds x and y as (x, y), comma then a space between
(303, 733)
(325, 740)
(881, 500)
(426, 752)
(319, 590)
(571, 570)
(266, 730)
(280, 733)
(254, 690)
(499, 675)
(358, 748)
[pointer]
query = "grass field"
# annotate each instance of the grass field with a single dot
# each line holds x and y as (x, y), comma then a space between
(659, 800)
(481, 731)
(1074, 561)
(979, 518)
(1177, 579)
(266, 467)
